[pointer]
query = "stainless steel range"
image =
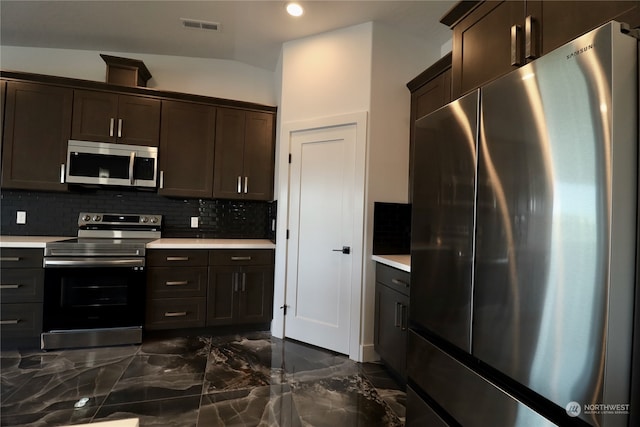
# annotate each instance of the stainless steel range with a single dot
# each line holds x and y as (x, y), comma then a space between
(95, 284)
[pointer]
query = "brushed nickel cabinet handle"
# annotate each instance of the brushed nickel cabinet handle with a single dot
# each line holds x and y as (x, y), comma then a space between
(10, 322)
(175, 314)
(239, 184)
(119, 128)
(244, 282)
(161, 179)
(403, 324)
(9, 259)
(132, 162)
(246, 184)
(240, 258)
(398, 321)
(177, 283)
(111, 124)
(515, 45)
(235, 282)
(177, 258)
(399, 282)
(10, 286)
(62, 173)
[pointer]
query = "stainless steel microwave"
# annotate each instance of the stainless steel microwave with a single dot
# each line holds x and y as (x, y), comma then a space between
(111, 164)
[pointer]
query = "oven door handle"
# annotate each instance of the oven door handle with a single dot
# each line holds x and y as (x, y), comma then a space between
(93, 262)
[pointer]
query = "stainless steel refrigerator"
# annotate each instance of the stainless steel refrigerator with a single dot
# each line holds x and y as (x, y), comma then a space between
(523, 251)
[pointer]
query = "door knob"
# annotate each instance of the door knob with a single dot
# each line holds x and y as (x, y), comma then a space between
(345, 250)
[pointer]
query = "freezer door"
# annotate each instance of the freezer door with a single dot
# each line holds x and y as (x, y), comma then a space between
(555, 224)
(442, 221)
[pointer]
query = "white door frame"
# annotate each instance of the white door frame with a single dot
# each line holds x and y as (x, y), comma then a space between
(278, 324)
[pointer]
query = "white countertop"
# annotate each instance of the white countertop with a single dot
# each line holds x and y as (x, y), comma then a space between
(211, 244)
(195, 243)
(401, 262)
(28, 241)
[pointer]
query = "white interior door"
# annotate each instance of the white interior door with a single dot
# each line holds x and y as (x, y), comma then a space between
(321, 224)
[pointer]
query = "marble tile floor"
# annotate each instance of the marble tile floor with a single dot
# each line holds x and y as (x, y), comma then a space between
(242, 380)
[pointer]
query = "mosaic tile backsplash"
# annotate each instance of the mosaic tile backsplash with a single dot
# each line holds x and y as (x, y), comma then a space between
(56, 214)
(391, 228)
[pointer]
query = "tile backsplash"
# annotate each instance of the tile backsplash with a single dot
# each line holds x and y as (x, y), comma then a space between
(391, 228)
(56, 214)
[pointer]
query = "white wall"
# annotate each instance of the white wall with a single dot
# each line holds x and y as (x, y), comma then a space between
(397, 58)
(200, 76)
(363, 68)
(323, 75)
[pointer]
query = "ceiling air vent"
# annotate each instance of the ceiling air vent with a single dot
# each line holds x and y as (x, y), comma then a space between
(200, 25)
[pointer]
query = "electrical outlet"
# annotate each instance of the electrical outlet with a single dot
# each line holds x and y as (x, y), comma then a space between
(194, 221)
(21, 217)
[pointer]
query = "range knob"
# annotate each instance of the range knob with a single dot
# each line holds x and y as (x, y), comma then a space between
(86, 218)
(154, 220)
(97, 218)
(144, 219)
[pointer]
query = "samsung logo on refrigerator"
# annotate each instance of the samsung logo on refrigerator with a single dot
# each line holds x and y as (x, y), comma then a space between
(580, 51)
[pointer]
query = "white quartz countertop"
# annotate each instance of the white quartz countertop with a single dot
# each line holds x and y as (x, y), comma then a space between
(28, 241)
(401, 262)
(211, 244)
(41, 241)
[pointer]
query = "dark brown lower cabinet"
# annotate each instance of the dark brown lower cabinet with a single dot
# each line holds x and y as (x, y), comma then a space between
(196, 288)
(391, 318)
(21, 293)
(240, 287)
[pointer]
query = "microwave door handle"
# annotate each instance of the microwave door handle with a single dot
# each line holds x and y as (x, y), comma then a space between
(132, 160)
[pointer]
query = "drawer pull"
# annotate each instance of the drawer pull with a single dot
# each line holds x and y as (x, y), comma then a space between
(177, 258)
(10, 258)
(240, 258)
(175, 314)
(9, 286)
(399, 282)
(178, 283)
(10, 322)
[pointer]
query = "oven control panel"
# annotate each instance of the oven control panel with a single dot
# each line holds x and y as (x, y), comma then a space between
(114, 220)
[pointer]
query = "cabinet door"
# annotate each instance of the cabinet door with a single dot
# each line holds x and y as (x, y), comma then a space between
(558, 22)
(228, 182)
(390, 328)
(259, 156)
(37, 127)
(482, 44)
(186, 149)
(138, 121)
(255, 303)
(221, 295)
(95, 116)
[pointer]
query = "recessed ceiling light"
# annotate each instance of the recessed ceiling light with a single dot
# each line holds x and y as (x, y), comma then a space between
(294, 9)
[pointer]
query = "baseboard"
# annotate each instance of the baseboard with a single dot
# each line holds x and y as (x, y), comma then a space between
(368, 354)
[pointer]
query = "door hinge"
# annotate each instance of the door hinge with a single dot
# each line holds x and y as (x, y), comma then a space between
(284, 309)
(289, 157)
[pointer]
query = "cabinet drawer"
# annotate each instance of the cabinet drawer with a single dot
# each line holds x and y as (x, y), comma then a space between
(21, 320)
(241, 257)
(21, 258)
(175, 313)
(394, 278)
(181, 282)
(22, 285)
(176, 258)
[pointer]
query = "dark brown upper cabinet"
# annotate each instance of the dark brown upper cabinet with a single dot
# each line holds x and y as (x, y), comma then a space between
(430, 90)
(110, 117)
(498, 36)
(244, 155)
(187, 149)
(37, 126)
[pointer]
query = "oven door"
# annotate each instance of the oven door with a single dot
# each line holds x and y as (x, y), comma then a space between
(86, 294)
